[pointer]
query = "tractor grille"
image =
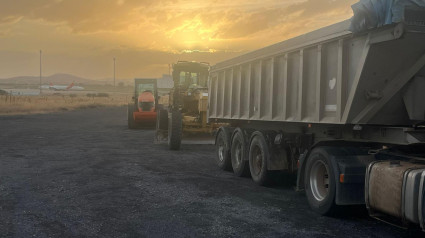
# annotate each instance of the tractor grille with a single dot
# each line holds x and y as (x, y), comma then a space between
(146, 106)
(414, 16)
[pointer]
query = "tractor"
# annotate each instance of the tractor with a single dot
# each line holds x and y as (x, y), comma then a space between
(186, 114)
(142, 111)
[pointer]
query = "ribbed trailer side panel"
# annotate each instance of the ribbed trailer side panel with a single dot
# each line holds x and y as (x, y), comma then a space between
(285, 87)
(334, 77)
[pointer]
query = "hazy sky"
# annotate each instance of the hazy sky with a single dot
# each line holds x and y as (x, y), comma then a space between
(81, 37)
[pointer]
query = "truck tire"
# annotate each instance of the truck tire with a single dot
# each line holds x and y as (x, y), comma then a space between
(175, 130)
(222, 145)
(320, 182)
(239, 153)
(259, 154)
(130, 118)
(162, 120)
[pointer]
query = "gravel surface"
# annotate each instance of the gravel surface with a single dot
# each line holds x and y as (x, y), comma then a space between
(84, 174)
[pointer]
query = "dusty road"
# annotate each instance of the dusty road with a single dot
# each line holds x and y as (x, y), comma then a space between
(84, 174)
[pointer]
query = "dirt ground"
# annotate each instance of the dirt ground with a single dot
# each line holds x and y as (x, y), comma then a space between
(84, 174)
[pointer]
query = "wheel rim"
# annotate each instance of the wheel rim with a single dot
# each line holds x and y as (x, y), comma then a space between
(238, 153)
(319, 180)
(257, 159)
(221, 149)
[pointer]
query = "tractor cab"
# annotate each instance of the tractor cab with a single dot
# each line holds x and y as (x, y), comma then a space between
(190, 82)
(146, 99)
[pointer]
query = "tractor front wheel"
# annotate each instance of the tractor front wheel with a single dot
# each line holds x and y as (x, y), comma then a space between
(175, 130)
(130, 117)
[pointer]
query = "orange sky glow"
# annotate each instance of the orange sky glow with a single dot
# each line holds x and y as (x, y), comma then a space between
(81, 37)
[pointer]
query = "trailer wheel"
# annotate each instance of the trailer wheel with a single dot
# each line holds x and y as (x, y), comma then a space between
(130, 118)
(239, 152)
(175, 130)
(259, 154)
(222, 145)
(320, 183)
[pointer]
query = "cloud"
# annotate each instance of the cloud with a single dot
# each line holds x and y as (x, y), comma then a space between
(218, 25)
(244, 24)
(148, 33)
(80, 15)
(228, 20)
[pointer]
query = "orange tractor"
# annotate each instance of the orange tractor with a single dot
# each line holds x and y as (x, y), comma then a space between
(142, 111)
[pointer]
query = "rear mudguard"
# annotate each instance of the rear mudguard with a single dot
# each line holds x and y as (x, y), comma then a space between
(351, 162)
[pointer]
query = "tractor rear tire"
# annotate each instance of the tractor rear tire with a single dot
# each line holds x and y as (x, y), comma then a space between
(130, 117)
(175, 130)
(162, 120)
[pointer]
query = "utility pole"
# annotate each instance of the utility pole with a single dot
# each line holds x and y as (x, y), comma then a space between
(114, 71)
(40, 71)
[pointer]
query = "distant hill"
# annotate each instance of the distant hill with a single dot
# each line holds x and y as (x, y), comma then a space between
(54, 79)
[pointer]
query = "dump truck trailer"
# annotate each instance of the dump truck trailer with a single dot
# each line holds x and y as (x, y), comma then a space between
(327, 106)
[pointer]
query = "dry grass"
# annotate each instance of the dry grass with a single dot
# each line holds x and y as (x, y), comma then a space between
(21, 105)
